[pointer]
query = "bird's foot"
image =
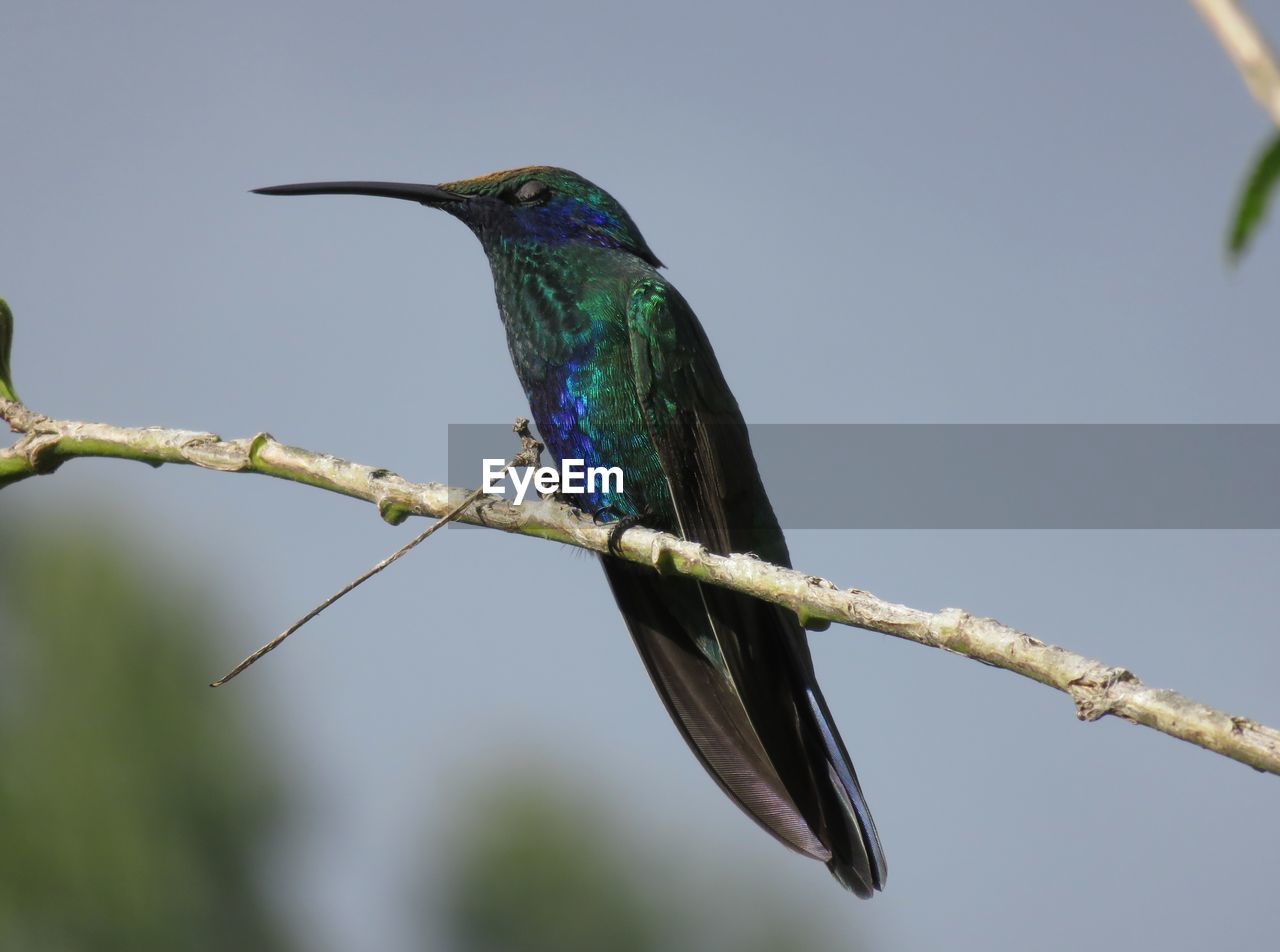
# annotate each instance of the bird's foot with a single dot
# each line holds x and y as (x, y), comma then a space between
(601, 514)
(622, 525)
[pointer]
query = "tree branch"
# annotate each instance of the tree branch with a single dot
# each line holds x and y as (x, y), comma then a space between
(1248, 49)
(1096, 688)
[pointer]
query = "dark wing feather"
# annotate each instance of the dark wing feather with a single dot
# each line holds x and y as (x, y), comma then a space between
(702, 701)
(736, 676)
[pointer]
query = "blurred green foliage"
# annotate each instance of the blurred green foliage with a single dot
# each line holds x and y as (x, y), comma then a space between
(541, 865)
(136, 806)
(6, 344)
(133, 804)
(1254, 198)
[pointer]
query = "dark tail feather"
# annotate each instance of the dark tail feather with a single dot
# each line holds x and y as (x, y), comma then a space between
(735, 675)
(868, 870)
(702, 701)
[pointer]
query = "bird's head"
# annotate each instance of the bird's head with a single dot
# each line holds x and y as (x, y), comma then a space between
(535, 205)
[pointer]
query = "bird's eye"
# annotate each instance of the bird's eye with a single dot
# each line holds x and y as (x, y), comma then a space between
(532, 192)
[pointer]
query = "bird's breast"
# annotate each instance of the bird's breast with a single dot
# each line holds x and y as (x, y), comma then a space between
(571, 351)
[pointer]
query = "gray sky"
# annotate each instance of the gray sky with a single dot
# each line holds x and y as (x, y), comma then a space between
(996, 212)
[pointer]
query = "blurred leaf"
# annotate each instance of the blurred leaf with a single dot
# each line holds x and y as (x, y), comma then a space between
(541, 864)
(536, 874)
(133, 801)
(1254, 199)
(6, 343)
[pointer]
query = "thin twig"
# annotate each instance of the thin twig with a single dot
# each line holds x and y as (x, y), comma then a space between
(1096, 689)
(530, 452)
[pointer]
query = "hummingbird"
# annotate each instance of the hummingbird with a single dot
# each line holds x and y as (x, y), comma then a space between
(618, 372)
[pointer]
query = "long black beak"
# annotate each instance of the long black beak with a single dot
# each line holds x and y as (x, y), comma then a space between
(431, 195)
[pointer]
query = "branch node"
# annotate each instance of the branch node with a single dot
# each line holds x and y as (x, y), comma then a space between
(210, 451)
(663, 557)
(1094, 693)
(811, 621)
(21, 418)
(38, 448)
(1241, 724)
(256, 444)
(392, 512)
(948, 629)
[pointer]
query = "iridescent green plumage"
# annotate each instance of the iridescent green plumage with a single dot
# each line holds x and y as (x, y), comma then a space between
(619, 372)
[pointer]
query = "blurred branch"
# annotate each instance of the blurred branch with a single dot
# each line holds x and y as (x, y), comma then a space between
(1248, 49)
(1096, 688)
